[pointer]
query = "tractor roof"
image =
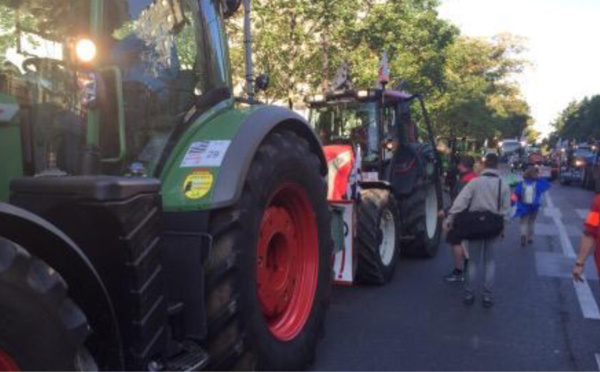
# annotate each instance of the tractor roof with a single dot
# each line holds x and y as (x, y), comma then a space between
(348, 96)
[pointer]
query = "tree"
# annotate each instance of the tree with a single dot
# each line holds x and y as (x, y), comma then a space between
(579, 120)
(480, 98)
(468, 82)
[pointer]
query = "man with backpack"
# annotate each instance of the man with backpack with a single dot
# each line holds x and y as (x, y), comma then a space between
(478, 215)
(528, 196)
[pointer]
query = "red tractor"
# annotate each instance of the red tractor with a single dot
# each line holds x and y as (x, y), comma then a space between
(384, 179)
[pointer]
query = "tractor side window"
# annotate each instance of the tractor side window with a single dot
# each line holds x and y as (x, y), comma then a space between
(157, 50)
(408, 127)
(390, 141)
(389, 121)
(418, 118)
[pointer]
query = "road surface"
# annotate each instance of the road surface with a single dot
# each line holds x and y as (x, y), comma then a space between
(541, 320)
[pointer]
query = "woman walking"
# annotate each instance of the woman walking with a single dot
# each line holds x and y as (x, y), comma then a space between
(528, 196)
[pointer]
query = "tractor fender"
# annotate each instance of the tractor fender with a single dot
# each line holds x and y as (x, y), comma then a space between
(45, 241)
(255, 128)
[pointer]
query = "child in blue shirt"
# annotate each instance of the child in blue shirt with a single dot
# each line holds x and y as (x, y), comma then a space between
(528, 195)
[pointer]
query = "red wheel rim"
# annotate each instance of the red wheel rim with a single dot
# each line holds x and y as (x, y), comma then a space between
(7, 363)
(287, 265)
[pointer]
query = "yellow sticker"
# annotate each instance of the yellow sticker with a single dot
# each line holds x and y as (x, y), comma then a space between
(198, 184)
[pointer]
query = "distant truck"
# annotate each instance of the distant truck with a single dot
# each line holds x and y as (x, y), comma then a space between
(576, 165)
(509, 147)
(592, 165)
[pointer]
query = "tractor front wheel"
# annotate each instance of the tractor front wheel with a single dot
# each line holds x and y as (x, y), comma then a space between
(41, 329)
(270, 267)
(378, 236)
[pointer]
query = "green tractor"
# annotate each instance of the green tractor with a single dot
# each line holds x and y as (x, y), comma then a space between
(386, 137)
(149, 220)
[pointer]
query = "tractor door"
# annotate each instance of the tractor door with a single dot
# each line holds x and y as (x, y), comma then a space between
(415, 159)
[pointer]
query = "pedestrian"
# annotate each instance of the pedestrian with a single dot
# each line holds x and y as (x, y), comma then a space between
(528, 196)
(591, 236)
(460, 253)
(479, 213)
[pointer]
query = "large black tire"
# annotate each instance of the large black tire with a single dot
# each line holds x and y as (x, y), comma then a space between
(239, 335)
(41, 329)
(374, 265)
(420, 241)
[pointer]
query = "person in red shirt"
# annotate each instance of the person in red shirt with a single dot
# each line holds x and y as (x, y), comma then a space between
(460, 253)
(590, 240)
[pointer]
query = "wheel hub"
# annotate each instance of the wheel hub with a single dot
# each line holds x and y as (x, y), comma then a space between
(277, 274)
(7, 363)
(431, 210)
(388, 241)
(287, 262)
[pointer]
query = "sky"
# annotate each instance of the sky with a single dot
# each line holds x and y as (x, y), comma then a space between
(563, 40)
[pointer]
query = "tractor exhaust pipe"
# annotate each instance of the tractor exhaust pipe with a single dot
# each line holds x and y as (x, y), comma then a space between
(248, 49)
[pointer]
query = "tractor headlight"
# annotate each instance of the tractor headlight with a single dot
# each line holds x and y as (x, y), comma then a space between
(363, 94)
(579, 163)
(86, 50)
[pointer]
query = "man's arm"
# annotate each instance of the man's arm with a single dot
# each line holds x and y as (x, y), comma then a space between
(588, 246)
(461, 202)
(588, 241)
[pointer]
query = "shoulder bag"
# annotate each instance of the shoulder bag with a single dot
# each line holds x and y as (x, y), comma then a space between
(484, 225)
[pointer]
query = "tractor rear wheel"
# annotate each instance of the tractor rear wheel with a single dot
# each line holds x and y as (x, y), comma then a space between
(41, 328)
(422, 222)
(378, 236)
(269, 272)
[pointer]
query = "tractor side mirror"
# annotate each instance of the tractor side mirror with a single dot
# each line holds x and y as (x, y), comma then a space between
(262, 82)
(230, 7)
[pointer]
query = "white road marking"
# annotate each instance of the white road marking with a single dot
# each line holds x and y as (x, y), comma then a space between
(598, 361)
(587, 302)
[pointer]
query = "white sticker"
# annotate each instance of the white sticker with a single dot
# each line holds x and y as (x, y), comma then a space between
(205, 154)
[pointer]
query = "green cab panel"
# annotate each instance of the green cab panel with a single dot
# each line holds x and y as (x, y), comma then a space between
(11, 159)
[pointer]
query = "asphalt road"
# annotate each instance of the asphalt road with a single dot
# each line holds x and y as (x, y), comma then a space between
(541, 320)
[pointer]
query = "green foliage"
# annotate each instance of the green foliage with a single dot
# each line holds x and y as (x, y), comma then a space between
(579, 120)
(468, 82)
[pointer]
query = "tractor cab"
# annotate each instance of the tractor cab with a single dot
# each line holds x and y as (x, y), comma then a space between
(108, 87)
(387, 130)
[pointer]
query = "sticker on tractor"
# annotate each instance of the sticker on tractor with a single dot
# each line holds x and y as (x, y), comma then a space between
(198, 184)
(205, 154)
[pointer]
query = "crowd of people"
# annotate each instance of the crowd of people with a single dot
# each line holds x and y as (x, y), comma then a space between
(482, 204)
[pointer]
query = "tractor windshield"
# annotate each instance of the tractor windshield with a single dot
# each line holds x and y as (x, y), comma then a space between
(38, 76)
(350, 123)
(169, 54)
